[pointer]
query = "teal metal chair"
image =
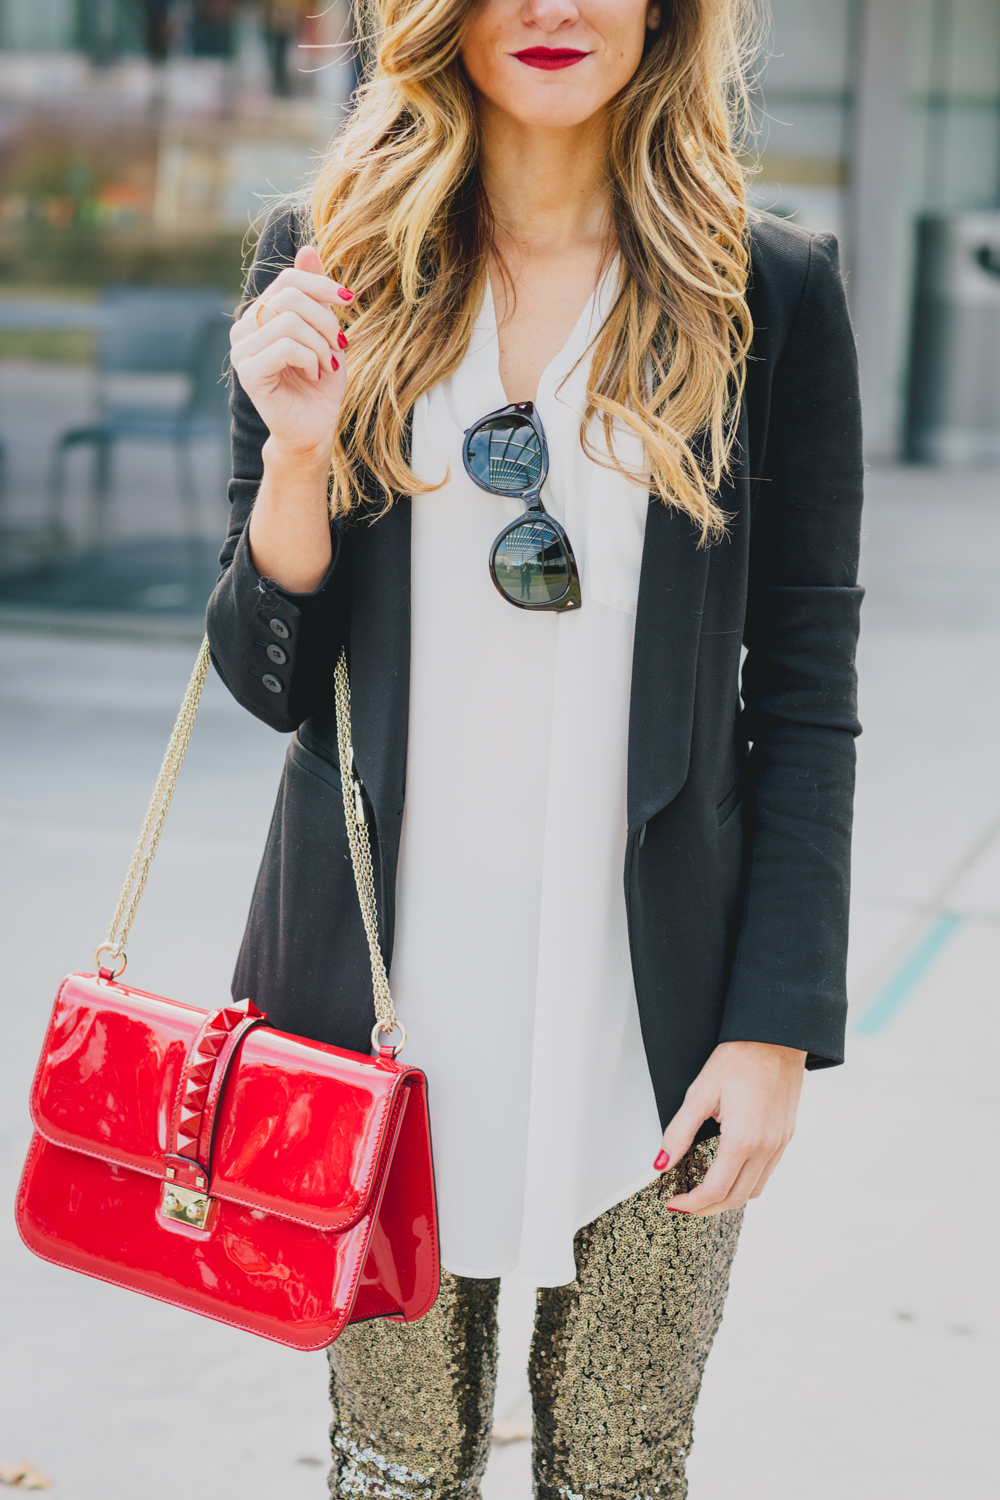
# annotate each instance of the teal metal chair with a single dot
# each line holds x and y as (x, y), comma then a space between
(149, 331)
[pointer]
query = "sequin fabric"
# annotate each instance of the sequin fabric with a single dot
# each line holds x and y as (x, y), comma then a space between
(413, 1402)
(616, 1364)
(618, 1355)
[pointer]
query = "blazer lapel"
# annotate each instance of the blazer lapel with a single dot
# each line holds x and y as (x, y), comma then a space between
(668, 623)
(380, 681)
(664, 660)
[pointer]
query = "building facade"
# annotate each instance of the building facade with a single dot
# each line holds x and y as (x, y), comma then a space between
(872, 114)
(875, 114)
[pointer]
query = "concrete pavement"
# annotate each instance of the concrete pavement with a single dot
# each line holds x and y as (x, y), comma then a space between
(858, 1351)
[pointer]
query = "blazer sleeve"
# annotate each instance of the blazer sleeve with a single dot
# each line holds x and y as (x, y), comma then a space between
(248, 614)
(788, 981)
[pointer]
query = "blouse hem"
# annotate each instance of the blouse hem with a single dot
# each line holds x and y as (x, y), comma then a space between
(521, 1277)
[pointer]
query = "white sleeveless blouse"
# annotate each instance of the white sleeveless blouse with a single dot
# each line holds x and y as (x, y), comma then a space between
(511, 964)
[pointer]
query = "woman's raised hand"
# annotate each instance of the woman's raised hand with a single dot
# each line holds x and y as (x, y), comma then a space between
(289, 352)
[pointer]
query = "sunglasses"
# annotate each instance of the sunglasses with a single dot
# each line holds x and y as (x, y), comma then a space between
(531, 561)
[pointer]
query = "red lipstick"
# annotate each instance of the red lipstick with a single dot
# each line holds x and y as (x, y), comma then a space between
(550, 58)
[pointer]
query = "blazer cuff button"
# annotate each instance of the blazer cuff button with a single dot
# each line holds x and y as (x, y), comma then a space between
(272, 683)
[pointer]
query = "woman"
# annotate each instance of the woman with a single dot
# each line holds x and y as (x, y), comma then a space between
(535, 216)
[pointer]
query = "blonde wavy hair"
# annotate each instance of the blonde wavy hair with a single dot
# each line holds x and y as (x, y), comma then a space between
(399, 215)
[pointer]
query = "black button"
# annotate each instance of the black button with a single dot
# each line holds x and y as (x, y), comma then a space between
(278, 656)
(272, 683)
(280, 629)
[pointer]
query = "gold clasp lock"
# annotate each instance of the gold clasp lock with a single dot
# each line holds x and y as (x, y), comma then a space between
(184, 1205)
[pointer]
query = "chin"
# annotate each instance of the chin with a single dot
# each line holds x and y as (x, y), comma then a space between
(554, 107)
(552, 119)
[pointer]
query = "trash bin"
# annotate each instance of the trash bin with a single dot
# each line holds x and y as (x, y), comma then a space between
(953, 413)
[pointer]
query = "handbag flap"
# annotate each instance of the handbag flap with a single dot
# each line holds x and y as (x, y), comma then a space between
(300, 1128)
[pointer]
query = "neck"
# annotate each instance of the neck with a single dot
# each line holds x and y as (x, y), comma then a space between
(547, 188)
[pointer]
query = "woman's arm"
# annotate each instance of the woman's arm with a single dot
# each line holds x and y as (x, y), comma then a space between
(272, 618)
(786, 1004)
(288, 351)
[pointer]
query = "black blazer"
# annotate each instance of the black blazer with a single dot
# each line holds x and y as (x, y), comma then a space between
(739, 816)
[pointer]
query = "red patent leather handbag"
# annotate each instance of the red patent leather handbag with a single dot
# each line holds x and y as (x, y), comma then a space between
(277, 1184)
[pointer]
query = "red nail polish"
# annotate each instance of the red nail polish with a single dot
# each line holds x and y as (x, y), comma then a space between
(663, 1160)
(345, 294)
(341, 340)
(334, 362)
(674, 1210)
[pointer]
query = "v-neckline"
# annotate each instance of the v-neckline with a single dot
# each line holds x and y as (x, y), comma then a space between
(487, 321)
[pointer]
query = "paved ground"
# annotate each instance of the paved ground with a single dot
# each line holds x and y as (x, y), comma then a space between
(859, 1349)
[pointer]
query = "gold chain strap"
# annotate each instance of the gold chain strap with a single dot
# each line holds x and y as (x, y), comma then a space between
(361, 857)
(354, 817)
(156, 814)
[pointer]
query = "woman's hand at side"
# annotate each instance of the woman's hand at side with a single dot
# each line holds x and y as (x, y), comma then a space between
(289, 353)
(752, 1089)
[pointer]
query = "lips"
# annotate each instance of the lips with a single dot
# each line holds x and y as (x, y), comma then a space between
(550, 58)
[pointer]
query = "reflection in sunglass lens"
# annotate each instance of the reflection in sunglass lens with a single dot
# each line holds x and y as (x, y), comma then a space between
(505, 455)
(531, 565)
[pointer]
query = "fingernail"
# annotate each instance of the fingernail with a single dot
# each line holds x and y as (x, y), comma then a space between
(345, 294)
(341, 340)
(334, 362)
(663, 1160)
(674, 1210)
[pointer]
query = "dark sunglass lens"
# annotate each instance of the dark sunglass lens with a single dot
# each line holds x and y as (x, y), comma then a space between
(505, 455)
(531, 565)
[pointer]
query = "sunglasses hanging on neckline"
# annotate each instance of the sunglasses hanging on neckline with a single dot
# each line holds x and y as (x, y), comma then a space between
(531, 562)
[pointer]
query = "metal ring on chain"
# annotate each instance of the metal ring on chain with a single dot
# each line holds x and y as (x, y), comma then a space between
(115, 953)
(380, 1027)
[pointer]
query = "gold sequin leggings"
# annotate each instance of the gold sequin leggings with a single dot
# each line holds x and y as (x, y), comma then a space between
(616, 1363)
